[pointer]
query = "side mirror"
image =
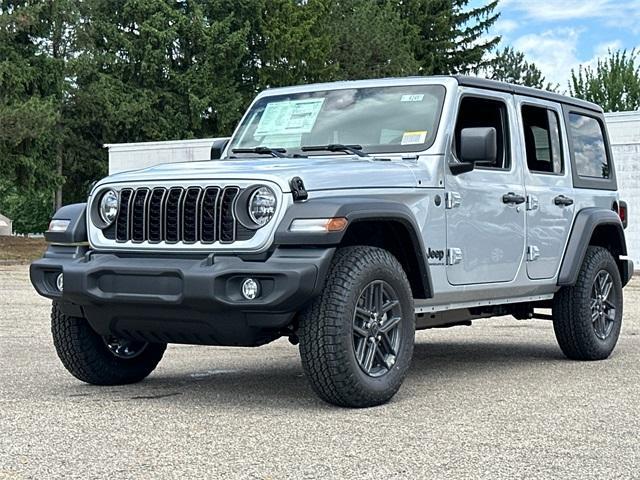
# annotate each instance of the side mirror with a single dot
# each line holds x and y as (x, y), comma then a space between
(218, 147)
(477, 145)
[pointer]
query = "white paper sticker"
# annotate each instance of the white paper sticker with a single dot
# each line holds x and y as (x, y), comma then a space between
(291, 116)
(412, 98)
(412, 138)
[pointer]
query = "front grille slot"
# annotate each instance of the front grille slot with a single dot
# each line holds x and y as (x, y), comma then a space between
(191, 215)
(171, 215)
(227, 218)
(208, 215)
(156, 209)
(138, 224)
(122, 222)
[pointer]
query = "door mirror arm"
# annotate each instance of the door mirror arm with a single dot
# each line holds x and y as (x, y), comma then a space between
(460, 167)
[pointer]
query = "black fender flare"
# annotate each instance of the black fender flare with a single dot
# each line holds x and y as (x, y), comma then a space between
(355, 210)
(584, 225)
(76, 232)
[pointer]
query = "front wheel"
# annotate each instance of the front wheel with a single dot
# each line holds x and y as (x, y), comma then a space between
(357, 338)
(587, 317)
(101, 360)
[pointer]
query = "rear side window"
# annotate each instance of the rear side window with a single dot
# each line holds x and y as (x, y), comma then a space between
(542, 139)
(589, 150)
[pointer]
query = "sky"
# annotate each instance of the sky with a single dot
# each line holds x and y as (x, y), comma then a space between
(558, 35)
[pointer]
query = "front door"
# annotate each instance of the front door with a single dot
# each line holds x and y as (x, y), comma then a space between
(486, 207)
(548, 182)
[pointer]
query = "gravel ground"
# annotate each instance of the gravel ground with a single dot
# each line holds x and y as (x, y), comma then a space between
(493, 400)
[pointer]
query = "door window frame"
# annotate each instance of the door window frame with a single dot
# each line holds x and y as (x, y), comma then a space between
(557, 110)
(508, 144)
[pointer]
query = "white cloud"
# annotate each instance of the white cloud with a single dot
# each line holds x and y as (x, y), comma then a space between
(555, 53)
(504, 27)
(625, 10)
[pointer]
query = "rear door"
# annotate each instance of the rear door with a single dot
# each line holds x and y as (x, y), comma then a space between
(485, 207)
(549, 205)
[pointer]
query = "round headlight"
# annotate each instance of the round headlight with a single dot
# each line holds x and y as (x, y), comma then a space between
(109, 207)
(262, 205)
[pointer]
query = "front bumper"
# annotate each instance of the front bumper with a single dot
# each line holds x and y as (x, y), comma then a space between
(186, 299)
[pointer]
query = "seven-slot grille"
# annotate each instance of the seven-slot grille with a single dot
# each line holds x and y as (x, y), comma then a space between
(177, 214)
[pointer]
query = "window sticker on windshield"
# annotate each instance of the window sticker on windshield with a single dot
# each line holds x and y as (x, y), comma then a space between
(412, 138)
(412, 98)
(291, 116)
(285, 141)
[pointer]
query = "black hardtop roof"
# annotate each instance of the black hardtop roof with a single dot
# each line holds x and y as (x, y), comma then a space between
(477, 82)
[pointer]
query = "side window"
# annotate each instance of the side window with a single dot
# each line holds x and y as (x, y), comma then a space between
(590, 154)
(482, 112)
(542, 139)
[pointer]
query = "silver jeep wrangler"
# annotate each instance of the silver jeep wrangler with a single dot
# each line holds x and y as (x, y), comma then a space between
(345, 216)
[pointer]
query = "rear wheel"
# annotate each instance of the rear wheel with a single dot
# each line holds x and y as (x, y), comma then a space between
(357, 338)
(101, 360)
(587, 317)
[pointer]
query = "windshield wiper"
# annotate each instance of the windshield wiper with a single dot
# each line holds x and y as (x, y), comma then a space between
(335, 147)
(274, 152)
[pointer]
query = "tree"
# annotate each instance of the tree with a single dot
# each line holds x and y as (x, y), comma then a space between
(152, 70)
(76, 74)
(449, 36)
(36, 39)
(614, 84)
(510, 66)
(370, 40)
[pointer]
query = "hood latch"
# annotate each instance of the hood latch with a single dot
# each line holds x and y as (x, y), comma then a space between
(297, 189)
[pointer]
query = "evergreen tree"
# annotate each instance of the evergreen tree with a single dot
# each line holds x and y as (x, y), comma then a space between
(36, 39)
(76, 74)
(449, 35)
(370, 40)
(614, 84)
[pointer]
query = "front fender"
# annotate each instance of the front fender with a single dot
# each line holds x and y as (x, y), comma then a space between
(355, 210)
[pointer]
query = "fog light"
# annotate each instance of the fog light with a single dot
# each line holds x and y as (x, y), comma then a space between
(250, 289)
(60, 282)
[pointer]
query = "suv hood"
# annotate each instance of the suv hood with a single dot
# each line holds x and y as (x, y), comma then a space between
(325, 173)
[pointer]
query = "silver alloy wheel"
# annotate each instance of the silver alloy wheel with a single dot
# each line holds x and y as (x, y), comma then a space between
(377, 322)
(603, 305)
(122, 348)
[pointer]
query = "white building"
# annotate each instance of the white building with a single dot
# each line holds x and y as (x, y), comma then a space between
(134, 156)
(6, 226)
(624, 133)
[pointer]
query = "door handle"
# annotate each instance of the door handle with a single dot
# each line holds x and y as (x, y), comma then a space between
(563, 201)
(513, 198)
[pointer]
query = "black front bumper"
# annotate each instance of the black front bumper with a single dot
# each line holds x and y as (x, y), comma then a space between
(182, 300)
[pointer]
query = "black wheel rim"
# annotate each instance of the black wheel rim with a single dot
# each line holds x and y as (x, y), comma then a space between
(377, 323)
(122, 348)
(603, 305)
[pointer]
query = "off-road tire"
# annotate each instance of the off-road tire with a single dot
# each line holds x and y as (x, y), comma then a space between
(86, 356)
(572, 321)
(326, 330)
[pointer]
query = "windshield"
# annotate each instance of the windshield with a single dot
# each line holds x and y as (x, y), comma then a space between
(380, 119)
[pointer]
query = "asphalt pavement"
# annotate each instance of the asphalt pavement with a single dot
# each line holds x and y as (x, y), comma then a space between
(495, 400)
